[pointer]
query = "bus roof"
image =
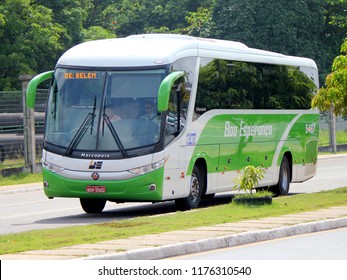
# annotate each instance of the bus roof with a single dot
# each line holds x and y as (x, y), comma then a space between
(160, 49)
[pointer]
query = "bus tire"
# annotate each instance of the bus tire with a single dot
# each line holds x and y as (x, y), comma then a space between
(208, 196)
(282, 187)
(92, 206)
(195, 192)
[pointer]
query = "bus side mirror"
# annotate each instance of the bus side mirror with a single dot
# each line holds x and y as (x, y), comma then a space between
(32, 87)
(165, 89)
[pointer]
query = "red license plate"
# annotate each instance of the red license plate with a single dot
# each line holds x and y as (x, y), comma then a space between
(96, 189)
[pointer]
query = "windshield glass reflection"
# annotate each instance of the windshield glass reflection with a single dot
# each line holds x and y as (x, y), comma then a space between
(103, 111)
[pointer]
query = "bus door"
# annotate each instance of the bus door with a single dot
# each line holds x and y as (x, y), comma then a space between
(175, 121)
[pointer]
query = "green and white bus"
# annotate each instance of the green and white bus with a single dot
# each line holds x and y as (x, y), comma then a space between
(216, 106)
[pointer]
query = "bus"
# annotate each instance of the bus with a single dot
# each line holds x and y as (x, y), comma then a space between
(160, 117)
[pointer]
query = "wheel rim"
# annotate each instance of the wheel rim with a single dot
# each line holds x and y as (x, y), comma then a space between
(194, 189)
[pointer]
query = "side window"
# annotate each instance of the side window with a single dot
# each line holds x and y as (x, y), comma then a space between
(177, 111)
(281, 87)
(187, 65)
(227, 84)
(223, 84)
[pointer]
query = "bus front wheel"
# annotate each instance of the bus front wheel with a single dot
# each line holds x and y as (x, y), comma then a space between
(92, 206)
(195, 192)
(282, 187)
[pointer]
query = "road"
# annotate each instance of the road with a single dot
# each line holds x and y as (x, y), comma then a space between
(25, 211)
(331, 174)
(323, 245)
(32, 210)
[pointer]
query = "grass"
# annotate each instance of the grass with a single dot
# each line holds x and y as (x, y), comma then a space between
(12, 161)
(67, 236)
(323, 140)
(20, 178)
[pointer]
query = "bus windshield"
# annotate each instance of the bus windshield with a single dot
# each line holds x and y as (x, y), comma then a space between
(103, 111)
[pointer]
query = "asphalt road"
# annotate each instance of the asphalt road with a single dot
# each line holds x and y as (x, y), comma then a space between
(331, 174)
(323, 245)
(23, 211)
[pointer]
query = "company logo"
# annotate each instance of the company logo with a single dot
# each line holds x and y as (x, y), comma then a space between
(246, 130)
(95, 176)
(310, 128)
(95, 164)
(95, 155)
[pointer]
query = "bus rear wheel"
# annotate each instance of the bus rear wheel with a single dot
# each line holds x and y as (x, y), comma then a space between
(92, 206)
(195, 192)
(282, 187)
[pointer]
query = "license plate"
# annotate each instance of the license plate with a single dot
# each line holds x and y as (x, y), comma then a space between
(96, 189)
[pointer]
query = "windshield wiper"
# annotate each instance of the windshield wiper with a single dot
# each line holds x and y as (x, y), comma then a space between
(88, 122)
(114, 133)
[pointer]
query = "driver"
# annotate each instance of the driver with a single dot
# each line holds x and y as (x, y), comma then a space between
(150, 113)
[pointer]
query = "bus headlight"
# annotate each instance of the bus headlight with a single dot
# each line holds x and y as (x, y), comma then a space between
(52, 167)
(147, 168)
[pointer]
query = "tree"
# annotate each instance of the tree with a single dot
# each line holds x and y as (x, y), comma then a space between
(335, 30)
(333, 97)
(334, 94)
(249, 178)
(72, 14)
(30, 41)
(96, 33)
(336, 14)
(200, 23)
(276, 25)
(143, 16)
(297, 27)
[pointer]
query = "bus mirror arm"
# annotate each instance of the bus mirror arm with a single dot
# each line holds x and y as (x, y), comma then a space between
(32, 87)
(165, 89)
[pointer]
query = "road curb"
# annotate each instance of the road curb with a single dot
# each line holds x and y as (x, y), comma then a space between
(214, 243)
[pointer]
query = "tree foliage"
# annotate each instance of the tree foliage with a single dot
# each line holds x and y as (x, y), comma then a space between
(30, 40)
(249, 178)
(337, 14)
(34, 33)
(200, 23)
(277, 25)
(296, 27)
(141, 16)
(334, 94)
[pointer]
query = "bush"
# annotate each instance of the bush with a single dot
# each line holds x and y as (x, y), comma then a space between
(249, 178)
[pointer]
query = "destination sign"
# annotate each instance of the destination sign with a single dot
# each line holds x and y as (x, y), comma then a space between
(80, 75)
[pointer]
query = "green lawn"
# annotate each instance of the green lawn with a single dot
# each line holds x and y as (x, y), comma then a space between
(341, 137)
(20, 178)
(55, 238)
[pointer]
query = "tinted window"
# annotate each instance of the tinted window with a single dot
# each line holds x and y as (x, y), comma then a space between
(240, 85)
